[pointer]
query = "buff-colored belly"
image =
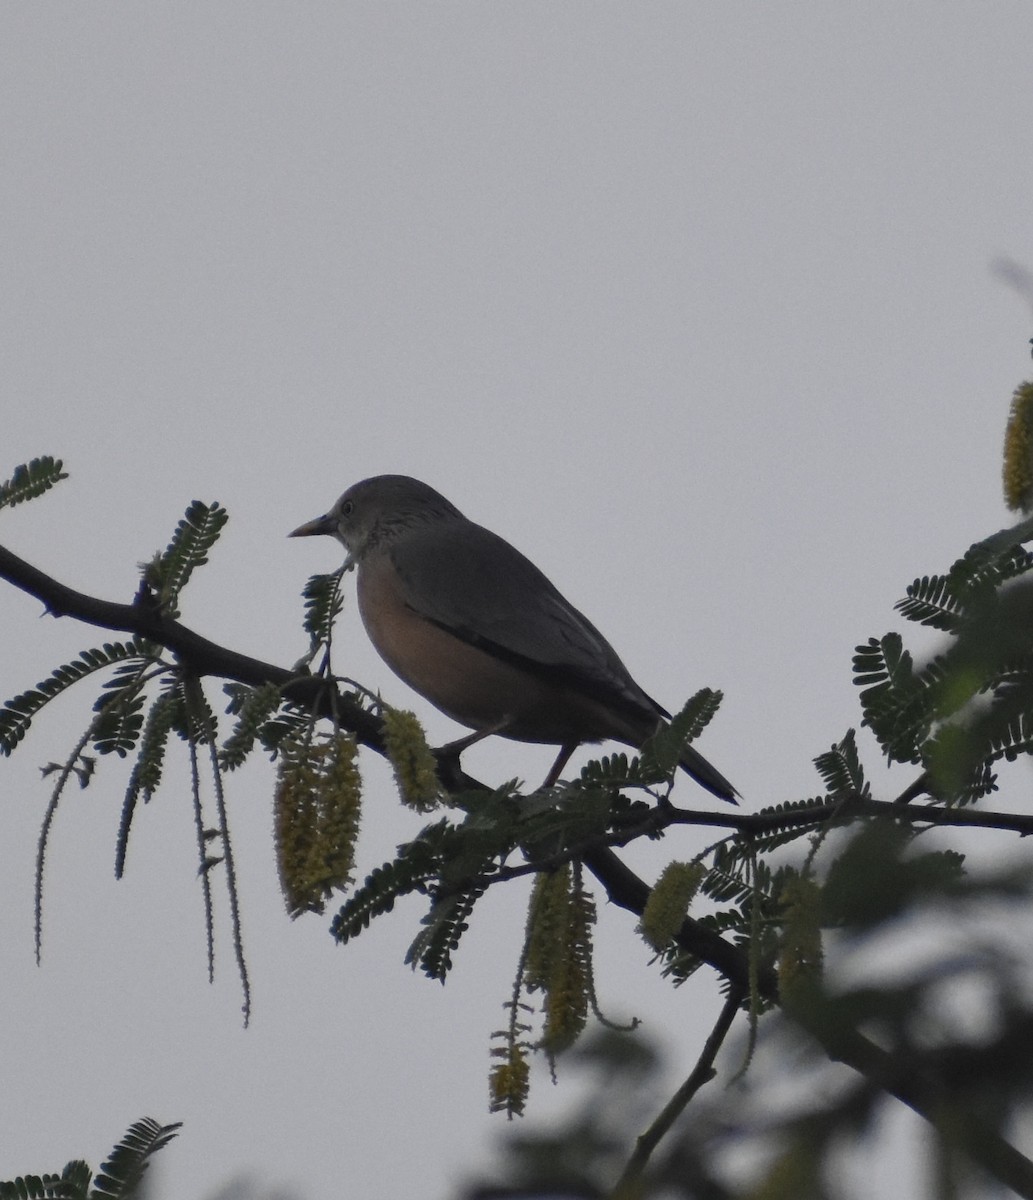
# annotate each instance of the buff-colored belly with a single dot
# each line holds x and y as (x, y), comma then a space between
(471, 685)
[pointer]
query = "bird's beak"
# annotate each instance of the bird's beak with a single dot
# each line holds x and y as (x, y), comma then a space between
(324, 524)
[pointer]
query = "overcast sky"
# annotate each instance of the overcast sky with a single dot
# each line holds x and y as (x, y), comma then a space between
(691, 302)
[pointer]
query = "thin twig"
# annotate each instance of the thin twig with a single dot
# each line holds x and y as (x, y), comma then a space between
(44, 833)
(231, 872)
(701, 1074)
(202, 850)
(202, 656)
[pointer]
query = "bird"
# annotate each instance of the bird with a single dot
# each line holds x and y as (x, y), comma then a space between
(477, 629)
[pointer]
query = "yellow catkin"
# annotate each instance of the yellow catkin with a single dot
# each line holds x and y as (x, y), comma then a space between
(294, 819)
(569, 989)
(509, 1082)
(317, 805)
(414, 765)
(339, 801)
(1018, 451)
(669, 901)
(800, 952)
(548, 915)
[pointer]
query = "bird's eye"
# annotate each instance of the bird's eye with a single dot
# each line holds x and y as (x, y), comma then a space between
(347, 508)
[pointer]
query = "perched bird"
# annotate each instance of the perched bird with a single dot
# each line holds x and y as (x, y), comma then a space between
(472, 625)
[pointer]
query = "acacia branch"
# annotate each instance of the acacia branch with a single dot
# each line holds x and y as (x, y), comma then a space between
(205, 657)
(821, 811)
(202, 656)
(701, 1074)
(622, 885)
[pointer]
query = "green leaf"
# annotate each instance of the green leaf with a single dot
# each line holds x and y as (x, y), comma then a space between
(793, 829)
(411, 871)
(30, 480)
(119, 1177)
(147, 770)
(897, 703)
(17, 714)
(72, 1184)
(930, 601)
(444, 925)
(618, 771)
(36, 1187)
(252, 707)
(323, 603)
(666, 747)
(285, 727)
(195, 535)
(117, 726)
(77, 1177)
(841, 770)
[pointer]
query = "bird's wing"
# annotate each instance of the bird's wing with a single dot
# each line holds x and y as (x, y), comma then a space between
(476, 586)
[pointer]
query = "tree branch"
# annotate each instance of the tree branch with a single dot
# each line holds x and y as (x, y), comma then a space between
(701, 1074)
(622, 885)
(202, 656)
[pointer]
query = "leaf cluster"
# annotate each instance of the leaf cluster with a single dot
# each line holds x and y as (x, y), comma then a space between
(969, 705)
(168, 573)
(119, 1177)
(32, 479)
(144, 697)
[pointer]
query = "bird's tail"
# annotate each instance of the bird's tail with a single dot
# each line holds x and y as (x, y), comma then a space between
(694, 764)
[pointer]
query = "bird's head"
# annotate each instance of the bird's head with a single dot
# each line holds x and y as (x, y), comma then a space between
(377, 509)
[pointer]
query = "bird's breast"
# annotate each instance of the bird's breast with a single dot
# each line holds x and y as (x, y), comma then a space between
(467, 683)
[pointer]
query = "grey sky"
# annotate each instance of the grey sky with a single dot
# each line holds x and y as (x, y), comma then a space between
(690, 302)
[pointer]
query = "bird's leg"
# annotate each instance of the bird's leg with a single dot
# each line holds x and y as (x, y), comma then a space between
(454, 749)
(566, 750)
(449, 753)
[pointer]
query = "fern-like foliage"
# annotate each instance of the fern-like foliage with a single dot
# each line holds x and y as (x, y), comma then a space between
(17, 714)
(447, 921)
(169, 571)
(30, 480)
(613, 771)
(69, 1185)
(896, 702)
(450, 863)
(971, 704)
(323, 604)
(120, 716)
(933, 601)
(193, 717)
(841, 769)
(252, 707)
(147, 770)
(287, 726)
(985, 567)
(794, 828)
(411, 871)
(667, 745)
(119, 1177)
